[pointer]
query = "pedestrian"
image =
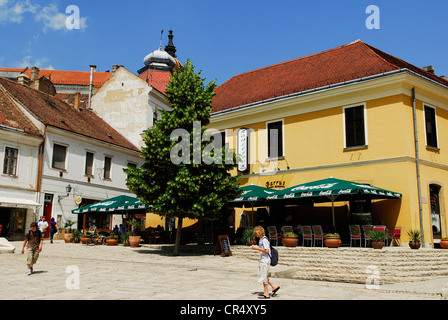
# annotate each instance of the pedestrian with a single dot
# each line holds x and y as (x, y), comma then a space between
(264, 263)
(42, 226)
(53, 229)
(33, 242)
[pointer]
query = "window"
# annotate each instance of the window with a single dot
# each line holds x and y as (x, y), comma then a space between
(107, 166)
(59, 156)
(89, 164)
(354, 127)
(275, 139)
(430, 127)
(10, 162)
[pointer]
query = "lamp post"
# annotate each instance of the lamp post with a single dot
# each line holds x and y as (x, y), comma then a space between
(68, 189)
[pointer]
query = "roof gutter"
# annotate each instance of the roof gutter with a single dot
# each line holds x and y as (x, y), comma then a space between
(332, 86)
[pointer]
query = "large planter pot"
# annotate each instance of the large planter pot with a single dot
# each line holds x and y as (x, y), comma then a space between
(290, 241)
(377, 244)
(85, 240)
(444, 243)
(414, 244)
(134, 241)
(332, 242)
(68, 237)
(111, 242)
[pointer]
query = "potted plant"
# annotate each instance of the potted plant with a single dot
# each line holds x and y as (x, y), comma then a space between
(290, 239)
(85, 238)
(248, 237)
(68, 237)
(416, 238)
(124, 237)
(134, 239)
(332, 240)
(112, 240)
(77, 236)
(377, 237)
(444, 243)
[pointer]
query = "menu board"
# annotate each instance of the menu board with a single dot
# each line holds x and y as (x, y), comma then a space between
(223, 246)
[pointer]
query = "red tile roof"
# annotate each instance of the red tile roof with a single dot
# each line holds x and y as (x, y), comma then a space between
(348, 62)
(57, 113)
(156, 79)
(67, 77)
(12, 117)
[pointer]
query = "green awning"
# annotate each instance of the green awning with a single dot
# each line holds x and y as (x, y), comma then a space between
(252, 194)
(116, 205)
(333, 189)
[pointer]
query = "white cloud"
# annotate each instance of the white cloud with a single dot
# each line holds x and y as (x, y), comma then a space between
(28, 61)
(15, 12)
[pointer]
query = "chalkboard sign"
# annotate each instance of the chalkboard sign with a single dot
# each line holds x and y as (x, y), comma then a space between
(223, 246)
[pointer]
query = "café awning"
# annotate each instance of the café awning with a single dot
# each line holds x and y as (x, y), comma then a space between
(332, 189)
(18, 203)
(117, 205)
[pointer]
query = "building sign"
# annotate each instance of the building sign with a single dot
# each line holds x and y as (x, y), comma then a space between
(275, 184)
(243, 149)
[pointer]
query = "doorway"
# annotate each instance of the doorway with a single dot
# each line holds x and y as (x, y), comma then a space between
(434, 196)
(48, 208)
(13, 223)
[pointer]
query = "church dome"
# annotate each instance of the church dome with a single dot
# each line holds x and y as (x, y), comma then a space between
(159, 60)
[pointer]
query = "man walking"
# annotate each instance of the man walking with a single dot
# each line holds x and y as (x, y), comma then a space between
(33, 242)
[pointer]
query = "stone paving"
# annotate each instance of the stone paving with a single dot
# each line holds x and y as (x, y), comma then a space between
(152, 273)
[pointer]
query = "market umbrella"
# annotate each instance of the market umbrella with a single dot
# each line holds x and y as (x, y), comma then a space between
(252, 196)
(333, 189)
(119, 203)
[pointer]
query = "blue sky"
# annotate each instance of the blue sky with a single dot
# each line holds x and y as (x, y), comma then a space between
(222, 38)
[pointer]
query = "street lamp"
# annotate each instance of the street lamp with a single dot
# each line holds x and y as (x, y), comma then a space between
(68, 189)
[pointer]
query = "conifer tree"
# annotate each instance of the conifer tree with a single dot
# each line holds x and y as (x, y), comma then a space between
(185, 175)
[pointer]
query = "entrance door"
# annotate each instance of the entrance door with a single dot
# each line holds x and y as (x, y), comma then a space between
(5, 217)
(48, 207)
(434, 191)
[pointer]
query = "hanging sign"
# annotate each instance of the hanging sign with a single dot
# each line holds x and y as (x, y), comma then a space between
(78, 199)
(243, 149)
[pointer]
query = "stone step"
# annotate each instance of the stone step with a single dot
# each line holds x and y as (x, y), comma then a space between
(353, 264)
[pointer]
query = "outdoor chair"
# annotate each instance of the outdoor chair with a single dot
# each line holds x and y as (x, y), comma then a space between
(307, 235)
(366, 229)
(318, 235)
(273, 235)
(287, 229)
(396, 236)
(355, 234)
(382, 229)
(92, 231)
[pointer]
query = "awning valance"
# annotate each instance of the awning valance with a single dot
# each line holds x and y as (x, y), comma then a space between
(18, 203)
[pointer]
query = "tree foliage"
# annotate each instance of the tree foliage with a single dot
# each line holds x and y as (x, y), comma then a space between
(189, 189)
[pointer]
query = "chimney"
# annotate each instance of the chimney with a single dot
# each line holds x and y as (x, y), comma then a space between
(77, 101)
(429, 69)
(34, 73)
(92, 70)
(23, 79)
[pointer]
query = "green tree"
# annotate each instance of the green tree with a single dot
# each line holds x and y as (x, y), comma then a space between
(185, 174)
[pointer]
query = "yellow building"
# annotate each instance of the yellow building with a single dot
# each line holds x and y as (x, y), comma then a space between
(355, 113)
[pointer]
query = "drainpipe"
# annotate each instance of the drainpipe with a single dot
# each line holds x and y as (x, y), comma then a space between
(40, 168)
(417, 163)
(92, 70)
